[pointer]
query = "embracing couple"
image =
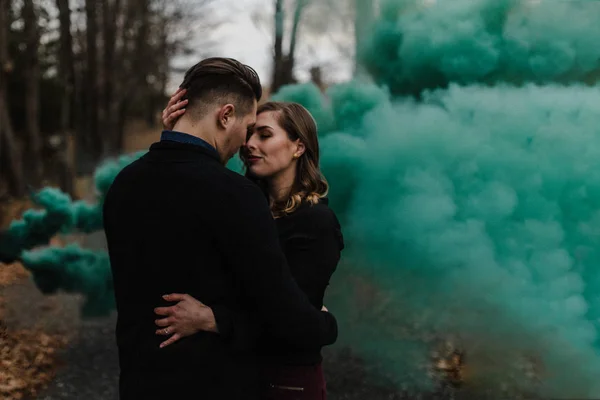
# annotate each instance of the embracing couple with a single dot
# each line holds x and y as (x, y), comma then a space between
(219, 278)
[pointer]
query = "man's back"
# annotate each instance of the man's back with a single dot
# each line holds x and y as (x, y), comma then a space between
(162, 216)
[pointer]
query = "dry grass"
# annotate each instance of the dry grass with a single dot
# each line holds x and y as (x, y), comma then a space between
(27, 356)
(28, 360)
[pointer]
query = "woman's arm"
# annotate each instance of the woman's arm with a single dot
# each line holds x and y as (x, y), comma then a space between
(313, 251)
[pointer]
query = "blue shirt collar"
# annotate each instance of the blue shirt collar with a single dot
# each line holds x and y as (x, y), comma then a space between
(181, 137)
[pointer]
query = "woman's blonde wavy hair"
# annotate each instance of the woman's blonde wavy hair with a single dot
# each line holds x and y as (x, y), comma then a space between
(310, 184)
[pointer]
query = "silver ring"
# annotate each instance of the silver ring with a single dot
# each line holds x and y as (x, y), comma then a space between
(166, 331)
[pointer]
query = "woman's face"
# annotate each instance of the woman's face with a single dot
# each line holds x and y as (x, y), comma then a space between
(269, 149)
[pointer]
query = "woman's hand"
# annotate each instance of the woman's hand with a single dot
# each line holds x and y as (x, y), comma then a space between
(183, 319)
(174, 109)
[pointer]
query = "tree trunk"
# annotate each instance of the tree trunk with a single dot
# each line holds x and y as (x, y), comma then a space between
(278, 48)
(91, 84)
(288, 72)
(10, 160)
(283, 65)
(67, 79)
(132, 73)
(363, 20)
(110, 10)
(66, 64)
(33, 142)
(316, 77)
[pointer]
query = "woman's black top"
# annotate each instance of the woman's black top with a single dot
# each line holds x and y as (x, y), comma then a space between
(312, 241)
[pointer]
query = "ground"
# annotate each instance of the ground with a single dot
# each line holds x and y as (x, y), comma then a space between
(61, 357)
(80, 360)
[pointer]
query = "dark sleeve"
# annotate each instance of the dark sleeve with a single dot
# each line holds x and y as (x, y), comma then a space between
(237, 327)
(313, 251)
(251, 247)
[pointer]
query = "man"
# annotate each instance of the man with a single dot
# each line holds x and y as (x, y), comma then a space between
(178, 221)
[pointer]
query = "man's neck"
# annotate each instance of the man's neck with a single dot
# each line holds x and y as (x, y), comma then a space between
(186, 126)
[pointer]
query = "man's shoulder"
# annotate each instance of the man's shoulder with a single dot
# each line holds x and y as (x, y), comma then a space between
(227, 187)
(242, 188)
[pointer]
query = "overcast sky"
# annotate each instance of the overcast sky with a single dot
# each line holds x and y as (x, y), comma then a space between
(242, 39)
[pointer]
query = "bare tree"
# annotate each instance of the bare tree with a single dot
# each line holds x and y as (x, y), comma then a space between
(33, 142)
(133, 72)
(94, 142)
(110, 10)
(283, 62)
(66, 72)
(319, 35)
(10, 160)
(85, 75)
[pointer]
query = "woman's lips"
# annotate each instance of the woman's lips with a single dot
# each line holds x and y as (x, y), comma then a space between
(253, 159)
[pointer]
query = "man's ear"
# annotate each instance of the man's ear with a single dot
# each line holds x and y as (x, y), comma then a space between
(225, 115)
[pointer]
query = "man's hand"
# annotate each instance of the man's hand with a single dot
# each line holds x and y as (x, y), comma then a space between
(183, 319)
(174, 110)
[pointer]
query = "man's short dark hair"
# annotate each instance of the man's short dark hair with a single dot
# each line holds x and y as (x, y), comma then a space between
(220, 80)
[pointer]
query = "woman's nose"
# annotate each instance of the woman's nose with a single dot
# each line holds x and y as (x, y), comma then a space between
(250, 143)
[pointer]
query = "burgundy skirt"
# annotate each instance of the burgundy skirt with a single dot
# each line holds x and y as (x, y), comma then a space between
(295, 383)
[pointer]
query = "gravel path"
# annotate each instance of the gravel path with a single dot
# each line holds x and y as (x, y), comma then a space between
(90, 368)
(90, 365)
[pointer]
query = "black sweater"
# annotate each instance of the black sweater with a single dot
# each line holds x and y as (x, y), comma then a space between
(312, 242)
(178, 221)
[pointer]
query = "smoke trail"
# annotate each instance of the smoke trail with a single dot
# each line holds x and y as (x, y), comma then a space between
(74, 270)
(418, 45)
(60, 214)
(70, 269)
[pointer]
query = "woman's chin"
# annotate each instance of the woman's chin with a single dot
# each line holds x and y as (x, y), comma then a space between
(255, 172)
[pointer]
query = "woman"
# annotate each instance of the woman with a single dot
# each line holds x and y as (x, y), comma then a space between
(282, 157)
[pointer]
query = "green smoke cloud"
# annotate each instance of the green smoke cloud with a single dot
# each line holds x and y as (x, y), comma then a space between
(474, 214)
(471, 213)
(74, 270)
(419, 45)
